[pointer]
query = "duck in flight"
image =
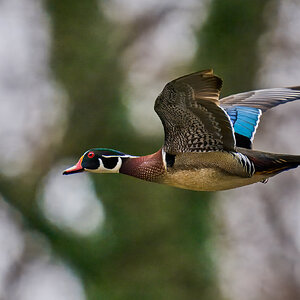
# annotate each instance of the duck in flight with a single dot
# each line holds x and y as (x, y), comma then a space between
(208, 142)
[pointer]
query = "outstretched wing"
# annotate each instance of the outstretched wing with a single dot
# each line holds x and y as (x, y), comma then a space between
(192, 118)
(245, 109)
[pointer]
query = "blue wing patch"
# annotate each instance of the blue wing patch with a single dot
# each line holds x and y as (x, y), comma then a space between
(244, 120)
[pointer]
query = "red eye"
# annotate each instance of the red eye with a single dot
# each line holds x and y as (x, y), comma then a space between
(91, 154)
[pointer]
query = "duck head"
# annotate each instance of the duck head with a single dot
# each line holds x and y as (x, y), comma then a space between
(99, 161)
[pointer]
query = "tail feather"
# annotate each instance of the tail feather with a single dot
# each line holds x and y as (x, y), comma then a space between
(271, 163)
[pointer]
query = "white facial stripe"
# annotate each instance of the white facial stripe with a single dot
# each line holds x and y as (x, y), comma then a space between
(124, 156)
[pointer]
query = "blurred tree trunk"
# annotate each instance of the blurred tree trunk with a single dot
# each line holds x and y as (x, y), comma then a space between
(153, 246)
(228, 42)
(260, 247)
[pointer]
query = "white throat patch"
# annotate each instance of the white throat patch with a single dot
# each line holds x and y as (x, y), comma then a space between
(114, 170)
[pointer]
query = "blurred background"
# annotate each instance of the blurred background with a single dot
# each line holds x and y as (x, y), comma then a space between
(81, 74)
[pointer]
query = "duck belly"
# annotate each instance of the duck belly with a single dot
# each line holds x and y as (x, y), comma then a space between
(208, 179)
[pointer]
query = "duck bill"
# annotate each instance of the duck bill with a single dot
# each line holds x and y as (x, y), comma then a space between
(75, 169)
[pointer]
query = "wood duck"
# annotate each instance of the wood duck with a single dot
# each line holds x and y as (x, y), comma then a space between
(208, 141)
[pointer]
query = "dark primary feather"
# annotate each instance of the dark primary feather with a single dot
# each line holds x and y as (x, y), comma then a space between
(193, 121)
(242, 141)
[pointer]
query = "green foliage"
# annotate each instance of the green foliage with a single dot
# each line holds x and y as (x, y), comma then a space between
(229, 42)
(153, 245)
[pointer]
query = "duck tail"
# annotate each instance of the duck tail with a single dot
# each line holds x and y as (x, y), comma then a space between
(271, 163)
